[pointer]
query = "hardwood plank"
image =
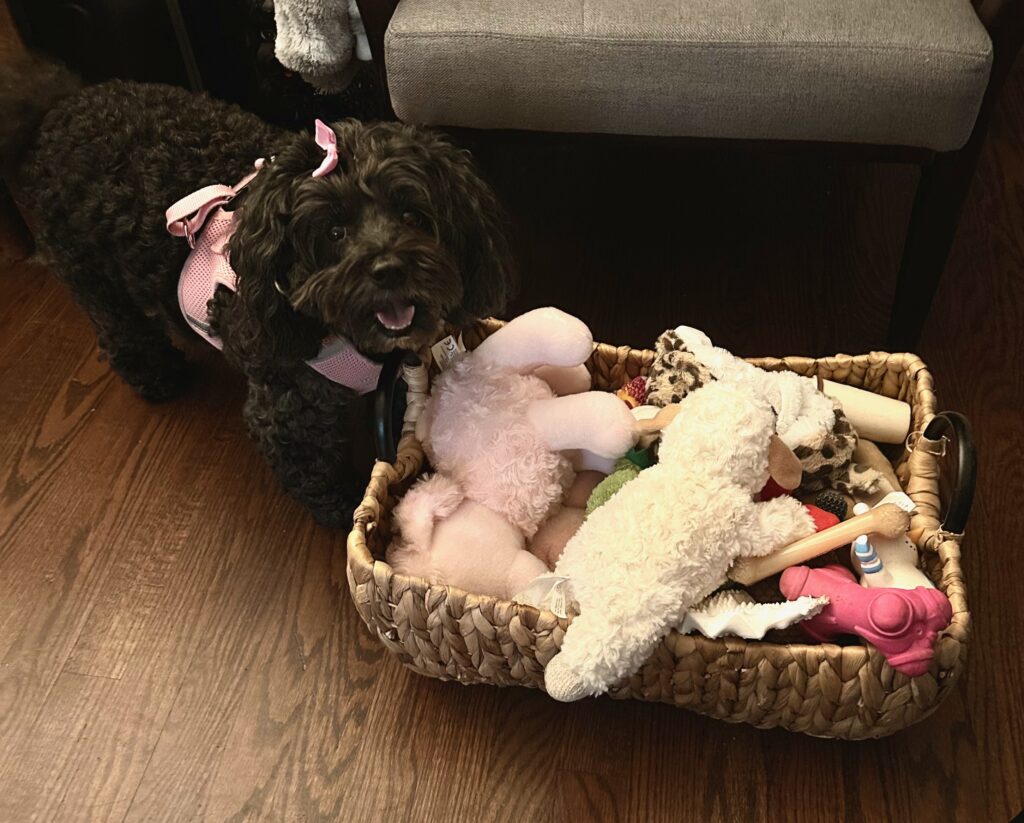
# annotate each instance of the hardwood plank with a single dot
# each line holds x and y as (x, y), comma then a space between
(144, 631)
(77, 764)
(281, 733)
(54, 556)
(27, 289)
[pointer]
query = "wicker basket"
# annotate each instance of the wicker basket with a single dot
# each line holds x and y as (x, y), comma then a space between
(824, 690)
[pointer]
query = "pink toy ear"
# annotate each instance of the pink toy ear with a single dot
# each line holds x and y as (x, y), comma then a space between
(432, 499)
(328, 141)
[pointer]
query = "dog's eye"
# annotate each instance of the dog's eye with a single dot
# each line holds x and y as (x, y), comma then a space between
(413, 218)
(338, 233)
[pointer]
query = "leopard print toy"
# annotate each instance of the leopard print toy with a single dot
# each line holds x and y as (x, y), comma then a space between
(827, 461)
(675, 371)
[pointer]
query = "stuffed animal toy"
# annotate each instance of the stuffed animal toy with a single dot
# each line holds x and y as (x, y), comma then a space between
(502, 442)
(809, 422)
(625, 470)
(666, 540)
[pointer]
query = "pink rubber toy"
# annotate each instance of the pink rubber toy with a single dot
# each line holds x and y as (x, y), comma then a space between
(902, 624)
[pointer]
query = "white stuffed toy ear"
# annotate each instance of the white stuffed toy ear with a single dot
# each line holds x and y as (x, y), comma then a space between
(565, 380)
(542, 337)
(596, 421)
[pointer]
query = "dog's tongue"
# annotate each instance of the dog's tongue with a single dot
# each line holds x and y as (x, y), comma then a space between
(397, 316)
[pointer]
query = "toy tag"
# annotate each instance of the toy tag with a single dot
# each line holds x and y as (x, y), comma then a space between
(446, 351)
(547, 591)
(900, 499)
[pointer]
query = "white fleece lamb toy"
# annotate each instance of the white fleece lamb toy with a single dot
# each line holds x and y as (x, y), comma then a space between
(667, 539)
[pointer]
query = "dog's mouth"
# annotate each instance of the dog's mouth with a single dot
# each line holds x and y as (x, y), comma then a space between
(397, 321)
(396, 318)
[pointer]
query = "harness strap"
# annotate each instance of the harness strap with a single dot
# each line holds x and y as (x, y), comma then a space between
(187, 216)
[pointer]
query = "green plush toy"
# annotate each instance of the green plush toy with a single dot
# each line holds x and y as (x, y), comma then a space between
(626, 468)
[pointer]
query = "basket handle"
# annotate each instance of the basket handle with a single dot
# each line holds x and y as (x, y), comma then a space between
(967, 466)
(384, 399)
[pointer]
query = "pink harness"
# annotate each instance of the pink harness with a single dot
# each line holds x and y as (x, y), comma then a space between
(201, 219)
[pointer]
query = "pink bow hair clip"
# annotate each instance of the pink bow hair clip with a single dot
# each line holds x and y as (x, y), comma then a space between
(328, 141)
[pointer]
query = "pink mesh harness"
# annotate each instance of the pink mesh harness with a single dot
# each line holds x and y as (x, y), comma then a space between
(201, 219)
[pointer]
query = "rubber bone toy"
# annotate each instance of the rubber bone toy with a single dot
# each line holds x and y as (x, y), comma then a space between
(902, 624)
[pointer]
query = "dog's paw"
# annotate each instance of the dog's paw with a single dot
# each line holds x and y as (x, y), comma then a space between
(336, 516)
(168, 384)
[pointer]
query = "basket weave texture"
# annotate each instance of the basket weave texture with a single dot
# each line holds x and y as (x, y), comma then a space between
(824, 690)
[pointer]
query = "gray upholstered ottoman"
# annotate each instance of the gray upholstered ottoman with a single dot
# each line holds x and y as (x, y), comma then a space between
(888, 72)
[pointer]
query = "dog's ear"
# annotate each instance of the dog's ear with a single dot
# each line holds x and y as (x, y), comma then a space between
(264, 323)
(478, 226)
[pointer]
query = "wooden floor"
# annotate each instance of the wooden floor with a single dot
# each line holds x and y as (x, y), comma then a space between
(176, 639)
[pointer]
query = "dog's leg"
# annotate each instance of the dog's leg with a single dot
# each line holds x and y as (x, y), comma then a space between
(302, 425)
(144, 357)
(138, 347)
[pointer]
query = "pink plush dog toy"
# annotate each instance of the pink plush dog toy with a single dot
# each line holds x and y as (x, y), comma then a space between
(902, 624)
(503, 442)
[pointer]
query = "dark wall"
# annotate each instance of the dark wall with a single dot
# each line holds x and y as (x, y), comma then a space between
(223, 46)
(100, 39)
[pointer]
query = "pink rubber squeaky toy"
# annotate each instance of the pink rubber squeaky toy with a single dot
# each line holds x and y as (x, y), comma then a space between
(901, 623)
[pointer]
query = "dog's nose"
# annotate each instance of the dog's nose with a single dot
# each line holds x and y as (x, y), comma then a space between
(387, 272)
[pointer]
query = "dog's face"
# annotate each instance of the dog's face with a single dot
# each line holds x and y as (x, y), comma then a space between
(400, 237)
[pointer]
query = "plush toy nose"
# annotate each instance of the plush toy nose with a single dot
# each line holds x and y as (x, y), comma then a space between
(387, 272)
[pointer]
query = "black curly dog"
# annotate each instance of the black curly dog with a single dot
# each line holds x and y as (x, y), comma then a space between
(404, 219)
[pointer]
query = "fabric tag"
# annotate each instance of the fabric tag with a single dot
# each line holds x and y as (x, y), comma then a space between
(901, 499)
(548, 591)
(556, 602)
(445, 351)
